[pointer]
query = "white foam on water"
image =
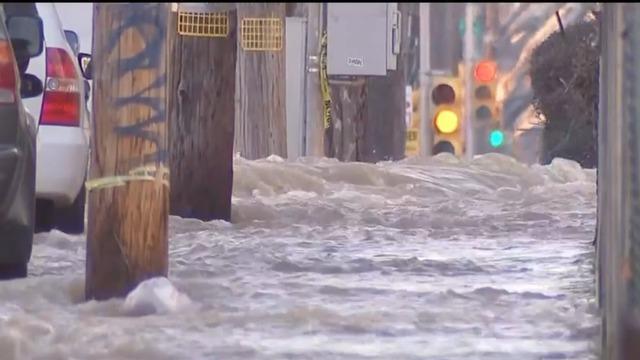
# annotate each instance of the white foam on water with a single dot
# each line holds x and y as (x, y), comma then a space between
(423, 258)
(155, 296)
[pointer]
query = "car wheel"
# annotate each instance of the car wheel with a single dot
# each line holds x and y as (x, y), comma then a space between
(13, 271)
(70, 220)
(44, 216)
(17, 238)
(15, 250)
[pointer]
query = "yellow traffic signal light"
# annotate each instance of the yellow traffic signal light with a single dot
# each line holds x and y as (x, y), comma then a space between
(447, 122)
(446, 100)
(485, 110)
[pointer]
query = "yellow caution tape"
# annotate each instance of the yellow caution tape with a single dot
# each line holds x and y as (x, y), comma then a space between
(143, 173)
(324, 82)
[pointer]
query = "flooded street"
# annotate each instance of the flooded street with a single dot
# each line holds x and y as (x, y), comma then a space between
(422, 259)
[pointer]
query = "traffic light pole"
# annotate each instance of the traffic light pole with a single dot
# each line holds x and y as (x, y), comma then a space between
(426, 131)
(468, 81)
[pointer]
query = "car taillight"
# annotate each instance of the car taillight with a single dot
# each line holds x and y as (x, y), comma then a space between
(61, 102)
(7, 74)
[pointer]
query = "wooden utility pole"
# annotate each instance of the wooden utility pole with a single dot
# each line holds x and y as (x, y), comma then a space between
(385, 127)
(369, 112)
(201, 110)
(344, 138)
(129, 190)
(261, 119)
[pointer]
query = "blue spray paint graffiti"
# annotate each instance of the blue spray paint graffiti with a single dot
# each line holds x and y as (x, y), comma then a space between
(150, 23)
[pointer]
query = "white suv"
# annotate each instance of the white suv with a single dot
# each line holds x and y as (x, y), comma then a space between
(63, 132)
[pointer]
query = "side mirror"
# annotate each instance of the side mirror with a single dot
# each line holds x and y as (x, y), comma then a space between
(30, 86)
(26, 34)
(85, 65)
(73, 40)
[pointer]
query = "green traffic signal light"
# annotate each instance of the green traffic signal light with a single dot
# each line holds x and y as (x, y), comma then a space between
(496, 138)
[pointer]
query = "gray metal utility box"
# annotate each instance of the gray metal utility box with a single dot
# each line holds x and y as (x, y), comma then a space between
(362, 38)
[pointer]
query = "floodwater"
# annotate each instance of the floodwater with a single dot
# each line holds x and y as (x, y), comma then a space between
(422, 259)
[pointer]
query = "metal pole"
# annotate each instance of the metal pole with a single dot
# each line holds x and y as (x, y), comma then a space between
(426, 131)
(468, 81)
(612, 190)
(491, 24)
(314, 131)
(629, 37)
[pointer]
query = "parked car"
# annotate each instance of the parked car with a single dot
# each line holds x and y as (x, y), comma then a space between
(74, 41)
(64, 130)
(21, 38)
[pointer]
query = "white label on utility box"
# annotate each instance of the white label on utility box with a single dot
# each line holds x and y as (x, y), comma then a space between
(355, 62)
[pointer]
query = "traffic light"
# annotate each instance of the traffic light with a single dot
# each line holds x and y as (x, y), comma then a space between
(488, 127)
(447, 121)
(496, 138)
